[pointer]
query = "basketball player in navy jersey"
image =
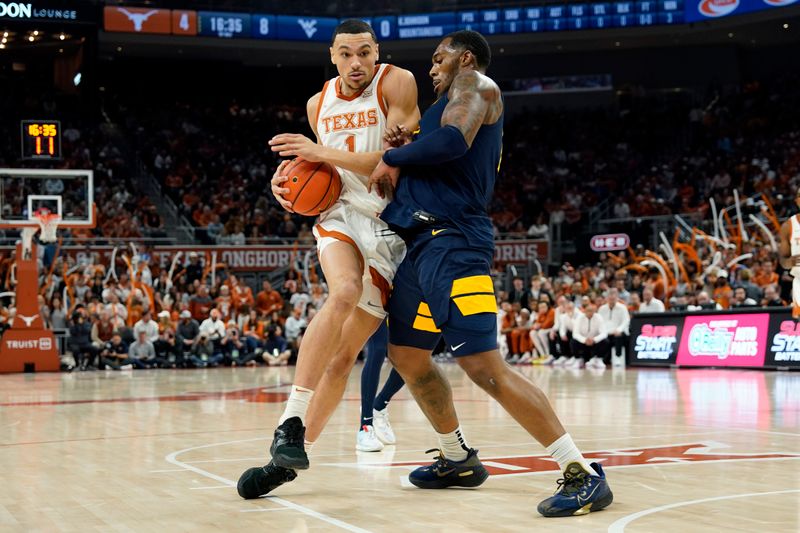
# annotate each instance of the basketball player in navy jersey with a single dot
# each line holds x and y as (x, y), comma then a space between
(442, 186)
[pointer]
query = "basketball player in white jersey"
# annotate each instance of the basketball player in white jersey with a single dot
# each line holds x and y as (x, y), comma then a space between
(358, 254)
(790, 255)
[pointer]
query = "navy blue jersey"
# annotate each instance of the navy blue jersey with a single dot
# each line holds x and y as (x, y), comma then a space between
(456, 193)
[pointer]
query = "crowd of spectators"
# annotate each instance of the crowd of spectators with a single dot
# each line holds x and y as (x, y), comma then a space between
(86, 144)
(214, 163)
(746, 140)
(651, 158)
(581, 316)
(142, 319)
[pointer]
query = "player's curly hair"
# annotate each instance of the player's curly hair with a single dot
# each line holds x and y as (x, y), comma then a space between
(475, 43)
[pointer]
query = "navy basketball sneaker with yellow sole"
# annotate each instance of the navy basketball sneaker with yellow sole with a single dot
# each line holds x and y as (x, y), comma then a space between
(288, 447)
(444, 473)
(257, 482)
(578, 493)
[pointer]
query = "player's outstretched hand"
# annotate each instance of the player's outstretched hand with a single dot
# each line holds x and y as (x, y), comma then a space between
(277, 191)
(396, 136)
(383, 179)
(296, 145)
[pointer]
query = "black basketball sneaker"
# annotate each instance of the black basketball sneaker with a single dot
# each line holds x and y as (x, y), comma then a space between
(444, 473)
(259, 481)
(578, 493)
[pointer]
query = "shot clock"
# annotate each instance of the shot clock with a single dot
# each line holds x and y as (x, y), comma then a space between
(41, 139)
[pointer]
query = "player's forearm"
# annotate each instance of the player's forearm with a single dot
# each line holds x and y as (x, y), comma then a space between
(440, 146)
(362, 163)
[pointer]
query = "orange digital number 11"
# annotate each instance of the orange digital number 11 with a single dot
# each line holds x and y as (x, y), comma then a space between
(350, 141)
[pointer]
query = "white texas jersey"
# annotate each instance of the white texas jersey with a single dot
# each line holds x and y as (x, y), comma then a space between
(794, 240)
(355, 123)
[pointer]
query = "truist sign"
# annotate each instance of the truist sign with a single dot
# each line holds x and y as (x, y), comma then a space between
(27, 11)
(724, 340)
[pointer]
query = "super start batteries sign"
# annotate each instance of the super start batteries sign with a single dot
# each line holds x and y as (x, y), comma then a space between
(767, 338)
(784, 348)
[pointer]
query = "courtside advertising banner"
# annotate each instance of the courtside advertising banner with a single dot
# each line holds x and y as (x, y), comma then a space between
(768, 338)
(784, 341)
(655, 340)
(724, 340)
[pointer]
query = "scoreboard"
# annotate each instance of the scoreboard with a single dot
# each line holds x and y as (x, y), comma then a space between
(554, 17)
(571, 17)
(41, 139)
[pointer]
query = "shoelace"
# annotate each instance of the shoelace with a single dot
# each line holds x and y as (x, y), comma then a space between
(441, 460)
(571, 483)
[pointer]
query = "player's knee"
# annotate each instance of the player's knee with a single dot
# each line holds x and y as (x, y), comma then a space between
(344, 295)
(484, 373)
(399, 363)
(487, 380)
(341, 365)
(409, 366)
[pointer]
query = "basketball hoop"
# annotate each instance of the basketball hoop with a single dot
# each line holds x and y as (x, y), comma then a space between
(48, 224)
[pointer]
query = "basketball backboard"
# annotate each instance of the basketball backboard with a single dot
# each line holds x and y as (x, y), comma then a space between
(68, 193)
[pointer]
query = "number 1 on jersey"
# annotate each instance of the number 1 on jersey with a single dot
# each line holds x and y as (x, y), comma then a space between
(350, 141)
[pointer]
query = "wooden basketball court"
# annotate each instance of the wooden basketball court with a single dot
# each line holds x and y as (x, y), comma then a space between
(688, 450)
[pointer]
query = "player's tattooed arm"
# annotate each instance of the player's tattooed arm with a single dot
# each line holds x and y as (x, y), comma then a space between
(474, 101)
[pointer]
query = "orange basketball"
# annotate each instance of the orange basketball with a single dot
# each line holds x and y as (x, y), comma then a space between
(313, 187)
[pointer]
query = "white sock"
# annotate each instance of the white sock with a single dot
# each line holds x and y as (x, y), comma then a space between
(297, 405)
(308, 446)
(453, 445)
(564, 451)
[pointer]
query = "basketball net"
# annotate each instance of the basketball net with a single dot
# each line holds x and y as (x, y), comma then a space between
(48, 225)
